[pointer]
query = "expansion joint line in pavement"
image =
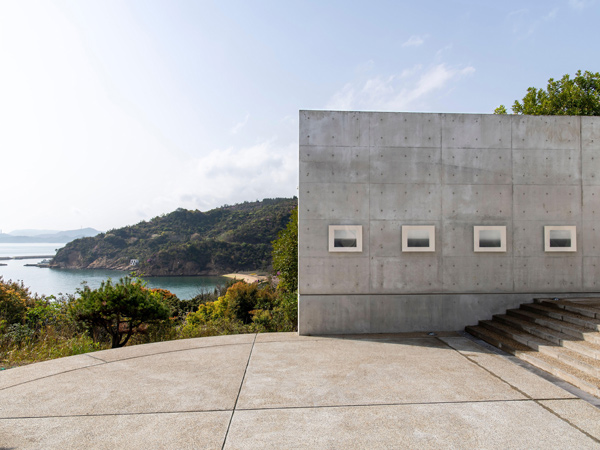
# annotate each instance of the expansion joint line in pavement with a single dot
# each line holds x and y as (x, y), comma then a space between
(282, 408)
(178, 350)
(53, 375)
(473, 361)
(537, 401)
(550, 410)
(370, 405)
(103, 362)
(239, 391)
(95, 357)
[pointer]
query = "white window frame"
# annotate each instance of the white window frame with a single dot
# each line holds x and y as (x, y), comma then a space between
(549, 228)
(431, 231)
(356, 228)
(476, 238)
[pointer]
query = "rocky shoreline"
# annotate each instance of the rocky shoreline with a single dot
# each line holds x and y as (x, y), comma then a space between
(105, 264)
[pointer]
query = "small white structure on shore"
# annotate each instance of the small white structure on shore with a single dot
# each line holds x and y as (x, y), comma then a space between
(134, 262)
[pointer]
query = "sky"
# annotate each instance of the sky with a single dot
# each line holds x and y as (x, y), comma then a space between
(116, 111)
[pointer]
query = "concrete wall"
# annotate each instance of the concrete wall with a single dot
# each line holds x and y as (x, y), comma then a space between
(454, 171)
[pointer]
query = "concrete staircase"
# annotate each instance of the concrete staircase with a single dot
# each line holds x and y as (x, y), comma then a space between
(559, 336)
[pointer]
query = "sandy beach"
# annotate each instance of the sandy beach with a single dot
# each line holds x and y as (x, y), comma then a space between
(247, 277)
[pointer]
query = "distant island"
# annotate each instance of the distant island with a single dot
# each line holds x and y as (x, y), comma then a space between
(42, 236)
(231, 238)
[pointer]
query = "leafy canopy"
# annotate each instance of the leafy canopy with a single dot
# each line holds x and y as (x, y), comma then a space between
(120, 308)
(14, 301)
(285, 255)
(239, 303)
(256, 306)
(579, 96)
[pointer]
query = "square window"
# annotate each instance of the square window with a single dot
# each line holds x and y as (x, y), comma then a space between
(560, 238)
(489, 238)
(418, 238)
(345, 238)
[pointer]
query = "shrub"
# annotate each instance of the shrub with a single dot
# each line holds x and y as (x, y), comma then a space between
(285, 255)
(14, 301)
(119, 309)
(209, 311)
(285, 314)
(17, 334)
(257, 307)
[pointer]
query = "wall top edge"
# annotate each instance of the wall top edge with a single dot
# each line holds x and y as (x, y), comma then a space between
(301, 111)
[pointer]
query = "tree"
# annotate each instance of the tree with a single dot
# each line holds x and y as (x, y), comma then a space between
(579, 96)
(500, 110)
(14, 301)
(119, 308)
(285, 255)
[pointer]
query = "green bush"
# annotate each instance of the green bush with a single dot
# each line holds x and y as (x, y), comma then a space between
(285, 314)
(119, 309)
(258, 307)
(17, 334)
(285, 255)
(14, 301)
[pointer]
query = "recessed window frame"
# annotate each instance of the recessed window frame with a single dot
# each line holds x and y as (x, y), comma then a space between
(571, 228)
(477, 240)
(431, 234)
(359, 243)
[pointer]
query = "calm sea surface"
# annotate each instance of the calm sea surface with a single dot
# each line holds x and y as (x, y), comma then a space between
(44, 281)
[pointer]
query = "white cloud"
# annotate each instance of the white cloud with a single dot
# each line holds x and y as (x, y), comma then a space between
(414, 41)
(365, 67)
(396, 92)
(551, 15)
(443, 50)
(581, 4)
(524, 25)
(411, 71)
(237, 174)
(82, 154)
(238, 126)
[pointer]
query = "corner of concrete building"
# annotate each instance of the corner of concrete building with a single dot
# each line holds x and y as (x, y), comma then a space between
(453, 171)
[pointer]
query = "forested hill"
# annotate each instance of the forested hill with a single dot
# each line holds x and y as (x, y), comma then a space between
(219, 241)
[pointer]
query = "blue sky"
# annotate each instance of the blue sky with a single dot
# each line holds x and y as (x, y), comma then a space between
(116, 111)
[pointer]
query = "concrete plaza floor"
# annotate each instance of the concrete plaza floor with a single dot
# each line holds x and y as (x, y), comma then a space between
(283, 391)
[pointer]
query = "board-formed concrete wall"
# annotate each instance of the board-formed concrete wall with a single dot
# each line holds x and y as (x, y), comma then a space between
(453, 171)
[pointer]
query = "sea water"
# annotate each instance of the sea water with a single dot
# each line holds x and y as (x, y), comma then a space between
(46, 281)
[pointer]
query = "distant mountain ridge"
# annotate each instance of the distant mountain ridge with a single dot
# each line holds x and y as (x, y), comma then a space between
(41, 236)
(222, 240)
(32, 232)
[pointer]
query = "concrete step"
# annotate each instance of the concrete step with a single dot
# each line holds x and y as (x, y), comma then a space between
(547, 334)
(515, 334)
(566, 372)
(576, 331)
(585, 348)
(497, 340)
(560, 362)
(571, 306)
(561, 337)
(574, 359)
(561, 314)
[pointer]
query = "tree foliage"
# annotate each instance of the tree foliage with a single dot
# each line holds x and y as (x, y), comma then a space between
(500, 110)
(14, 301)
(119, 309)
(47, 328)
(256, 306)
(285, 255)
(577, 96)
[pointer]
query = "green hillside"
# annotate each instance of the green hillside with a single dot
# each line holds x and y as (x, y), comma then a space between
(227, 239)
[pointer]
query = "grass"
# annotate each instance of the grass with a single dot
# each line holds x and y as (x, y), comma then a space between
(47, 345)
(50, 344)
